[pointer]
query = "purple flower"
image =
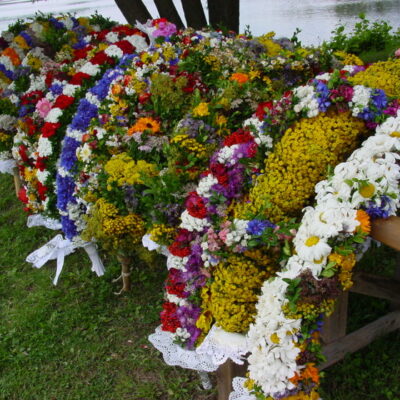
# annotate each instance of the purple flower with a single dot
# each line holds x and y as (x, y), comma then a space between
(376, 210)
(165, 29)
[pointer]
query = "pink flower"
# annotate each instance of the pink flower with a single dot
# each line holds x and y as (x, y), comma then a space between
(397, 53)
(43, 107)
(165, 29)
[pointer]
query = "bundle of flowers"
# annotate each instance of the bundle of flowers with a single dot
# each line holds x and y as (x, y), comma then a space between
(31, 49)
(207, 284)
(53, 99)
(185, 92)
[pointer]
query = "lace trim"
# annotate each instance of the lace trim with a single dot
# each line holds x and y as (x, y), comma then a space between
(7, 166)
(39, 220)
(175, 355)
(220, 346)
(239, 391)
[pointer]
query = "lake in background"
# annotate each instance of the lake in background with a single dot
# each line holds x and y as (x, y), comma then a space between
(316, 19)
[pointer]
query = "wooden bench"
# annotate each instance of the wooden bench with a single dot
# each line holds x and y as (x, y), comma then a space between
(336, 344)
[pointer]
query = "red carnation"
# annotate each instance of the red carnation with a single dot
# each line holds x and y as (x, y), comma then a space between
(169, 319)
(81, 53)
(260, 112)
(220, 172)
(50, 128)
(40, 163)
(144, 97)
(31, 127)
(41, 191)
(22, 153)
(238, 137)
(101, 58)
(63, 101)
(23, 196)
(125, 46)
(78, 78)
(179, 249)
(195, 205)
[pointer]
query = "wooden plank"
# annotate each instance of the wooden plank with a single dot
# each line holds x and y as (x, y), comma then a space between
(334, 326)
(335, 351)
(225, 374)
(387, 231)
(17, 181)
(376, 286)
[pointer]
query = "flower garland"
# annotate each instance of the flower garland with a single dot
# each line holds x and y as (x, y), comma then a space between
(201, 241)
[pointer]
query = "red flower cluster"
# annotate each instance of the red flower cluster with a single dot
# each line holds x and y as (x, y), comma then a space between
(63, 101)
(195, 205)
(23, 196)
(32, 97)
(260, 112)
(169, 319)
(49, 129)
(181, 245)
(220, 172)
(102, 58)
(175, 283)
(78, 78)
(240, 136)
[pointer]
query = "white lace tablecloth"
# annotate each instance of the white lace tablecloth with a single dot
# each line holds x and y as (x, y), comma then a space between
(7, 166)
(239, 391)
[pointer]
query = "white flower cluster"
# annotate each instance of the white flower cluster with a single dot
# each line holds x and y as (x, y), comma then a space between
(360, 99)
(205, 184)
(307, 100)
(225, 155)
(238, 233)
(272, 337)
(192, 223)
(258, 132)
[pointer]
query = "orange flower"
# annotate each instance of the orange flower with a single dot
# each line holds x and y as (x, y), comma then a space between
(365, 223)
(239, 77)
(310, 372)
(145, 124)
(116, 89)
(12, 55)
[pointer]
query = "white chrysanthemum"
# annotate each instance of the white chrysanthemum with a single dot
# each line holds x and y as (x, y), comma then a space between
(7, 121)
(205, 184)
(45, 148)
(84, 153)
(309, 246)
(192, 223)
(54, 115)
(114, 51)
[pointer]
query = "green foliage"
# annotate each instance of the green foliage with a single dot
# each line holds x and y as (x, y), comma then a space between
(17, 27)
(101, 21)
(364, 37)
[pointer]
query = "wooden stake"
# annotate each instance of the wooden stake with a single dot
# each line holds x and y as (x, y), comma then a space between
(17, 181)
(125, 274)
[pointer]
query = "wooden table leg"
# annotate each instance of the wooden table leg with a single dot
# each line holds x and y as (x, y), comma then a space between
(225, 374)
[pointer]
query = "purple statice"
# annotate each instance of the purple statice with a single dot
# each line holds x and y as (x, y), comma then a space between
(188, 315)
(379, 209)
(130, 197)
(79, 45)
(65, 191)
(68, 227)
(258, 226)
(9, 74)
(25, 109)
(22, 71)
(193, 127)
(165, 29)
(68, 156)
(322, 95)
(392, 108)
(86, 111)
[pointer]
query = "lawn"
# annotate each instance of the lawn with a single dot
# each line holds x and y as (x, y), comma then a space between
(78, 340)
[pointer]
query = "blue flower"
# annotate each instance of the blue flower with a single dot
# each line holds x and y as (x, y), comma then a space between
(68, 155)
(258, 226)
(379, 211)
(86, 111)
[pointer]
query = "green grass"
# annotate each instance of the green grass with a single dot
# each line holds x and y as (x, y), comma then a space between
(78, 341)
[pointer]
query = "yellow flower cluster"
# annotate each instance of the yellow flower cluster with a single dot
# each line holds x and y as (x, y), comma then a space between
(191, 145)
(4, 136)
(201, 110)
(162, 234)
(381, 75)
(299, 161)
(124, 170)
(272, 48)
(310, 311)
(346, 264)
(213, 61)
(113, 231)
(233, 293)
(267, 262)
(348, 58)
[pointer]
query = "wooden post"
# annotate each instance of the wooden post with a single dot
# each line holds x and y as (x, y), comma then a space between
(335, 325)
(387, 231)
(125, 274)
(17, 181)
(225, 374)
